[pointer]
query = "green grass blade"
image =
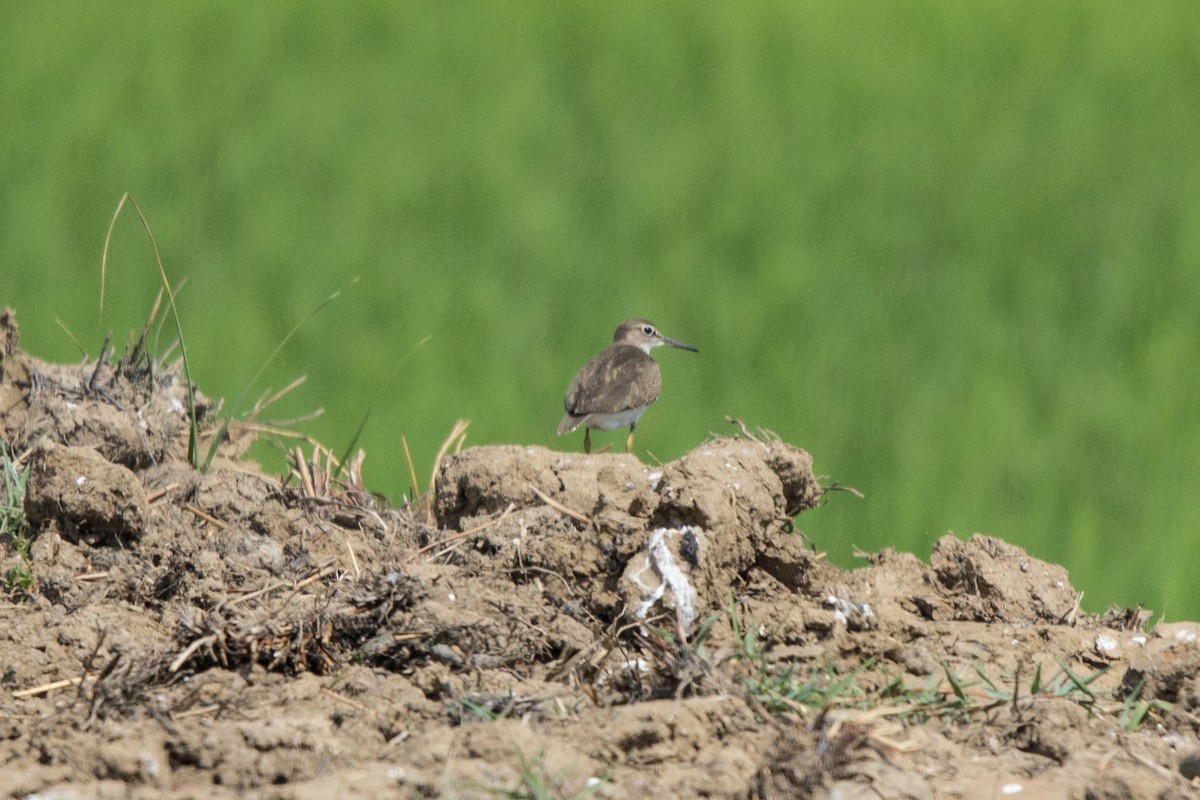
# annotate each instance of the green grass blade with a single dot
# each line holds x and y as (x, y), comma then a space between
(955, 685)
(216, 442)
(387, 385)
(193, 423)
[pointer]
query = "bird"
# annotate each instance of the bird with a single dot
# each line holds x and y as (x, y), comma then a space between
(615, 387)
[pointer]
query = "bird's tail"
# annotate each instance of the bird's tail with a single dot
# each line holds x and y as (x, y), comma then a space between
(568, 424)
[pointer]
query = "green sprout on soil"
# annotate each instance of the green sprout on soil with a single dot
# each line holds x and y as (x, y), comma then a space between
(18, 583)
(951, 697)
(485, 714)
(492, 709)
(536, 783)
(781, 688)
(18, 580)
(1135, 709)
(193, 421)
(12, 508)
(1065, 684)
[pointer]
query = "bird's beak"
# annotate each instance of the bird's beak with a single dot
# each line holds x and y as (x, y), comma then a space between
(680, 345)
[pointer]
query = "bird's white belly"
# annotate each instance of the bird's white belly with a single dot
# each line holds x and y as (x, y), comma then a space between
(610, 422)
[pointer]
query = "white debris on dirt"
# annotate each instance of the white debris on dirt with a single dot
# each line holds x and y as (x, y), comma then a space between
(662, 573)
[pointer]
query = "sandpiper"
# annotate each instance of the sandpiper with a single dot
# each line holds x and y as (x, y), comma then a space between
(613, 389)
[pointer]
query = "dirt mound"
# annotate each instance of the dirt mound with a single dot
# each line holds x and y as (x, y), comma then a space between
(627, 537)
(549, 625)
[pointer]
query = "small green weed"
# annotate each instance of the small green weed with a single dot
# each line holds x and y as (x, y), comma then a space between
(12, 504)
(779, 688)
(1134, 709)
(18, 583)
(536, 782)
(18, 580)
(193, 420)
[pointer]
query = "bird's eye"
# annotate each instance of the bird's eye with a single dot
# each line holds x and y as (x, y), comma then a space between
(646, 329)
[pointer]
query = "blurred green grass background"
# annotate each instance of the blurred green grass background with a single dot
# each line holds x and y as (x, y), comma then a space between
(951, 249)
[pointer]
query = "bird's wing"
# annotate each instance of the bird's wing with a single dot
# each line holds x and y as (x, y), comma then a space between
(620, 378)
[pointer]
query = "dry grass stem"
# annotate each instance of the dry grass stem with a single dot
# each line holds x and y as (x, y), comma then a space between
(158, 494)
(559, 507)
(204, 515)
(464, 534)
(457, 435)
(52, 686)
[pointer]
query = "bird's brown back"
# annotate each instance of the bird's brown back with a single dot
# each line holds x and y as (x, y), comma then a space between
(620, 378)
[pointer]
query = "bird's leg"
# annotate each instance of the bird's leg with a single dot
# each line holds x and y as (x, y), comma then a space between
(629, 441)
(587, 440)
